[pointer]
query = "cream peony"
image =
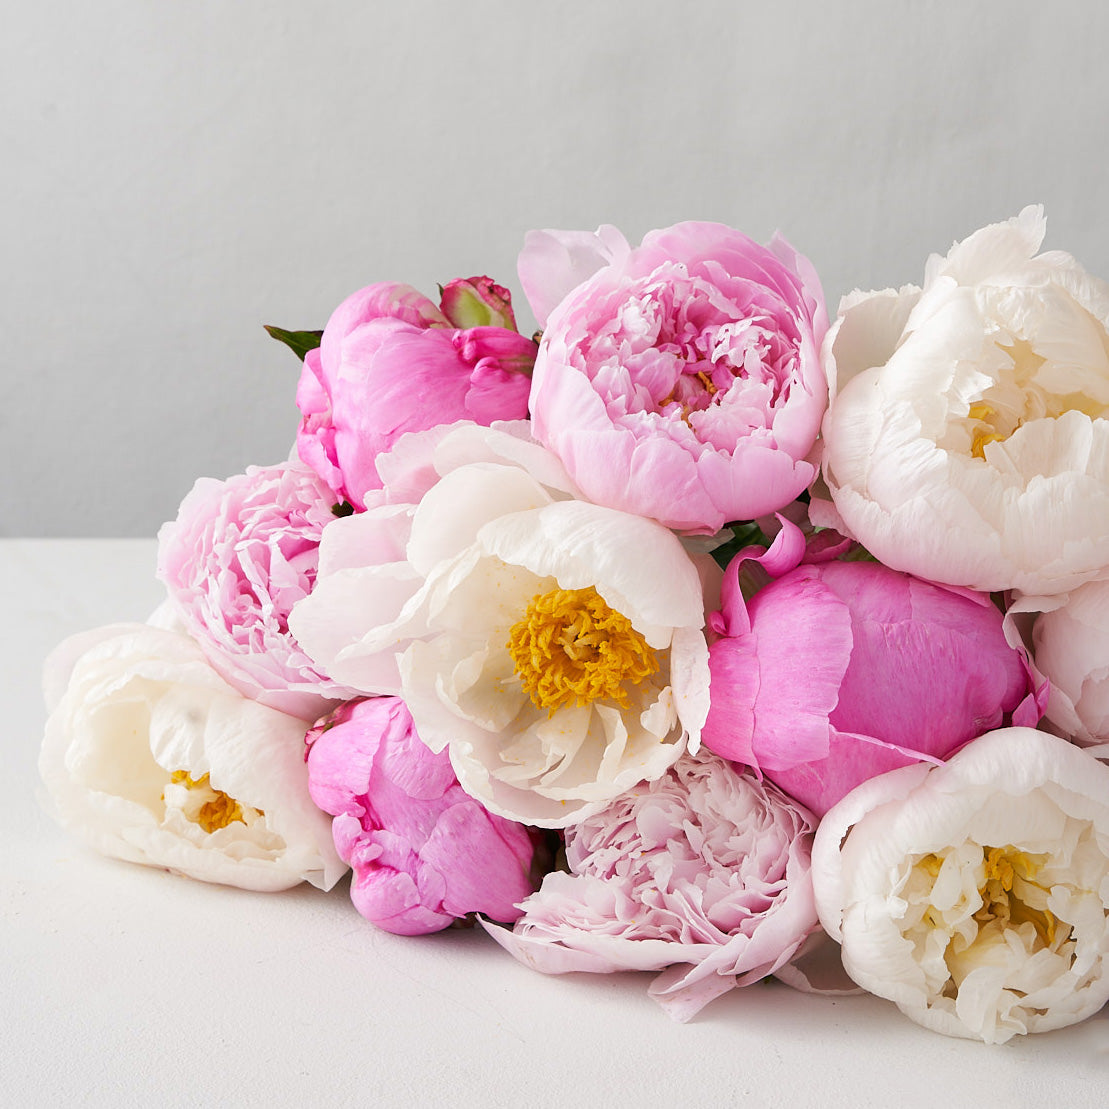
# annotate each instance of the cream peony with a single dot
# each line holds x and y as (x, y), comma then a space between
(967, 439)
(553, 646)
(975, 894)
(153, 758)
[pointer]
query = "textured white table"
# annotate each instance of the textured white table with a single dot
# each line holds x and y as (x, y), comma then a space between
(122, 985)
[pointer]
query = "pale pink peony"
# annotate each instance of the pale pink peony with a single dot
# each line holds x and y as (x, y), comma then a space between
(391, 362)
(704, 871)
(1070, 640)
(423, 852)
(839, 671)
(239, 555)
(680, 380)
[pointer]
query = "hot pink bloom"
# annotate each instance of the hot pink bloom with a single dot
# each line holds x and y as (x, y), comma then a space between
(680, 380)
(839, 671)
(391, 362)
(423, 852)
(704, 871)
(239, 555)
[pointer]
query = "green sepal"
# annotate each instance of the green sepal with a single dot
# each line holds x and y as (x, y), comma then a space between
(299, 342)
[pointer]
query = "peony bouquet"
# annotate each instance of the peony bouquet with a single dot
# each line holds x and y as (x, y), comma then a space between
(697, 633)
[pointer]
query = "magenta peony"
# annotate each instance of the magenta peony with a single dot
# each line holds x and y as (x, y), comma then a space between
(680, 380)
(239, 555)
(391, 362)
(839, 671)
(704, 871)
(423, 852)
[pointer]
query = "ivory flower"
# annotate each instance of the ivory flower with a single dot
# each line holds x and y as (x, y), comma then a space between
(155, 759)
(967, 439)
(975, 894)
(705, 871)
(681, 379)
(553, 646)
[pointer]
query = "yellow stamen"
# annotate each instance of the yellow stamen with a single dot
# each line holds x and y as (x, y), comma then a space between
(217, 811)
(706, 381)
(981, 438)
(1006, 866)
(569, 646)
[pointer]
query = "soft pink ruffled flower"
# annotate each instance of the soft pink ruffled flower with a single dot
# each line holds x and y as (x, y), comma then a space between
(839, 671)
(680, 380)
(704, 871)
(423, 852)
(1070, 641)
(239, 555)
(391, 362)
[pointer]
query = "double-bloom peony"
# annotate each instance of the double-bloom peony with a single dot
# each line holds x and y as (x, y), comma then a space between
(967, 440)
(975, 894)
(679, 380)
(239, 555)
(154, 758)
(704, 871)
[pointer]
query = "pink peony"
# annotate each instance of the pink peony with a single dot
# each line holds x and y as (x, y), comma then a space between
(239, 555)
(423, 852)
(704, 871)
(839, 671)
(680, 380)
(391, 362)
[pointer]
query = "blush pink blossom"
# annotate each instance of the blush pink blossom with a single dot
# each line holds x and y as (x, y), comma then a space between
(391, 362)
(680, 380)
(838, 671)
(239, 555)
(704, 871)
(423, 852)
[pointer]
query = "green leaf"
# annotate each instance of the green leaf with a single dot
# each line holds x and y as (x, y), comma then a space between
(745, 533)
(299, 342)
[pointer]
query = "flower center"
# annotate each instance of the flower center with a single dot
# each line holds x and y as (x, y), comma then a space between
(1009, 875)
(1008, 898)
(569, 646)
(208, 807)
(1024, 390)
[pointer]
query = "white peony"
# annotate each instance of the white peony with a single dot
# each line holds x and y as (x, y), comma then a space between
(553, 646)
(975, 894)
(967, 439)
(153, 758)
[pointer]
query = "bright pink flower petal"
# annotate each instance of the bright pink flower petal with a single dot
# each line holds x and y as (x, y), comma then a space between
(422, 851)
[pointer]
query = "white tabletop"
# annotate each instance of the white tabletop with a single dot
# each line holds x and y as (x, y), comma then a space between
(124, 985)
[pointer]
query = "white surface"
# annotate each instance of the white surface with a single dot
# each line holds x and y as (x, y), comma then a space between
(178, 175)
(122, 985)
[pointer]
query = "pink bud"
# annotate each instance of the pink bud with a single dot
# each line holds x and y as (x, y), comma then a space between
(422, 850)
(477, 302)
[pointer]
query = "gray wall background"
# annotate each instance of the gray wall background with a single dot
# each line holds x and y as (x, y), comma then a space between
(176, 175)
